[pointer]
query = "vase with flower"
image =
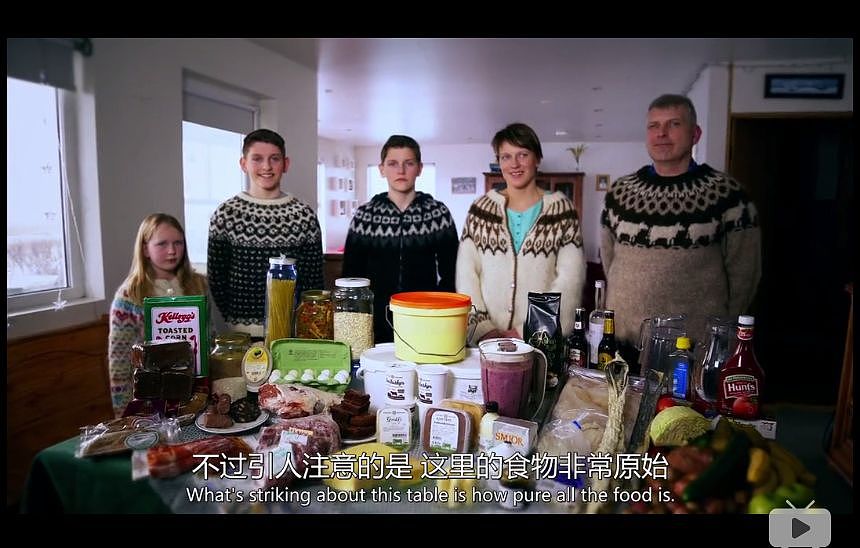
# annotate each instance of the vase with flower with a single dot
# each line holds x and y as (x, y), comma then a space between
(577, 151)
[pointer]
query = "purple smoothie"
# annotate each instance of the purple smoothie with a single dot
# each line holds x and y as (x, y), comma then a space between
(509, 384)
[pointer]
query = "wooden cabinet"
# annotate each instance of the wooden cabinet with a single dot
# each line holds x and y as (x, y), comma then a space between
(55, 383)
(842, 444)
(570, 184)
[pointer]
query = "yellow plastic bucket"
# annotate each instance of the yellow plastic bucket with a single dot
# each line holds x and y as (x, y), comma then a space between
(430, 326)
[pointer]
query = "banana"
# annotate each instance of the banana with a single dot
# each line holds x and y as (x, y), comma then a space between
(778, 452)
(759, 467)
(770, 484)
(787, 475)
(807, 478)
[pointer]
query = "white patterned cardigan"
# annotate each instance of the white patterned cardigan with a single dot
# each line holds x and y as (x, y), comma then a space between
(498, 280)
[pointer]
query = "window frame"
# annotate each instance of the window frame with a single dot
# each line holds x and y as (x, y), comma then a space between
(70, 191)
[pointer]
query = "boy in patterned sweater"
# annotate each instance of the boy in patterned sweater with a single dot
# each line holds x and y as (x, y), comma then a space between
(249, 228)
(677, 237)
(403, 240)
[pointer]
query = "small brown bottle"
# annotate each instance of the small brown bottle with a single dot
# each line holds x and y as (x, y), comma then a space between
(607, 348)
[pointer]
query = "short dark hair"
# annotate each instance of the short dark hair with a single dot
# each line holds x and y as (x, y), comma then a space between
(401, 141)
(520, 135)
(263, 136)
(668, 100)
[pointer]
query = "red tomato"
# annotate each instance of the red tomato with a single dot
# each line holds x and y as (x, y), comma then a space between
(665, 402)
(745, 408)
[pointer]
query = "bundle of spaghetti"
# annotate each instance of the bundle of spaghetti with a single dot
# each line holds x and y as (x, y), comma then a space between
(279, 308)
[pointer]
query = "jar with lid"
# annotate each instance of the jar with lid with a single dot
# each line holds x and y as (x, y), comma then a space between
(353, 314)
(314, 315)
(280, 296)
(225, 360)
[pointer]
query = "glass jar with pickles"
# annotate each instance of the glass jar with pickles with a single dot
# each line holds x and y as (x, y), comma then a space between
(315, 315)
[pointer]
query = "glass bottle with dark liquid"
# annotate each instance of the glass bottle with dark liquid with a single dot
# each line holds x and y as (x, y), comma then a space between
(607, 348)
(577, 345)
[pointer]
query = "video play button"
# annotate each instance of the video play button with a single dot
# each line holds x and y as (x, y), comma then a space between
(798, 528)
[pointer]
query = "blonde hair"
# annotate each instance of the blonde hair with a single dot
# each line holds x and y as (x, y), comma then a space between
(139, 283)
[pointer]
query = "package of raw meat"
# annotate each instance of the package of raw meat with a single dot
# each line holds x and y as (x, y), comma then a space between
(287, 445)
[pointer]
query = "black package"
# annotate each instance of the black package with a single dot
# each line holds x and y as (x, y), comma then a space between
(163, 370)
(542, 330)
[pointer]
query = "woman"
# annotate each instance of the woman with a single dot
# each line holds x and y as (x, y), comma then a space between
(518, 240)
(159, 267)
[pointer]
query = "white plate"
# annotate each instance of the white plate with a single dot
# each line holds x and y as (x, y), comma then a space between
(345, 441)
(237, 426)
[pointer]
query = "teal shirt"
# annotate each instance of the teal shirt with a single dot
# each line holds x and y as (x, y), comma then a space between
(519, 223)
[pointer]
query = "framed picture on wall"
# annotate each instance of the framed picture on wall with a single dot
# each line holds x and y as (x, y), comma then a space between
(601, 182)
(463, 185)
(804, 86)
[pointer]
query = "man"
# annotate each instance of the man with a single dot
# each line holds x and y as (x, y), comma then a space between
(403, 240)
(249, 228)
(676, 236)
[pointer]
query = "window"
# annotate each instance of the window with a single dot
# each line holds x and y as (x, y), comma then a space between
(43, 253)
(211, 172)
(426, 182)
(216, 119)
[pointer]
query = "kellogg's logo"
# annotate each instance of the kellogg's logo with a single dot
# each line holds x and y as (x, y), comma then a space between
(174, 317)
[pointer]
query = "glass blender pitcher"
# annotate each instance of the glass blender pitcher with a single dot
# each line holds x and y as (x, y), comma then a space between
(657, 338)
(711, 355)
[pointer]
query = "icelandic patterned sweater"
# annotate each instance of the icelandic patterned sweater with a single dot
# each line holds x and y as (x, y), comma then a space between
(244, 232)
(498, 280)
(411, 250)
(126, 330)
(685, 244)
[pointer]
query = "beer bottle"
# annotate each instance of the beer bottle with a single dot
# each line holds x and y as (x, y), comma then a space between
(607, 348)
(577, 346)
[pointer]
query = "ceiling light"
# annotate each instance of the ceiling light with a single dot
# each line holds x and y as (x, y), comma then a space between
(545, 101)
(560, 133)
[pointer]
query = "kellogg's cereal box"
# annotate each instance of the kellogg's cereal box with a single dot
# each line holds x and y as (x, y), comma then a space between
(183, 318)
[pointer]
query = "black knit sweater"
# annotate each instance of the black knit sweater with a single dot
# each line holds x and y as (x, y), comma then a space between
(244, 232)
(412, 250)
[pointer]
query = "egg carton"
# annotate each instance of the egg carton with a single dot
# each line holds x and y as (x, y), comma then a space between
(322, 364)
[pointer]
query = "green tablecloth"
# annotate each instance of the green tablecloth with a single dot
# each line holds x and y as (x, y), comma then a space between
(60, 482)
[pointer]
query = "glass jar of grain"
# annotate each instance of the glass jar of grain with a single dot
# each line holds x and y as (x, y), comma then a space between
(353, 314)
(225, 360)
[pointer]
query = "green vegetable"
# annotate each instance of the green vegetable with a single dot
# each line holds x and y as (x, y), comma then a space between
(677, 425)
(726, 472)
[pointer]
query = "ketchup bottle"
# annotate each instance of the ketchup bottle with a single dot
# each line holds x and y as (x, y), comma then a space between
(742, 378)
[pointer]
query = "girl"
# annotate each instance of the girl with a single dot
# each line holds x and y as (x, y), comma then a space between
(159, 267)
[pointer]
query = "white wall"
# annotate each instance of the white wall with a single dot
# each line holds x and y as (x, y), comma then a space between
(748, 88)
(339, 161)
(713, 90)
(710, 96)
(137, 85)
